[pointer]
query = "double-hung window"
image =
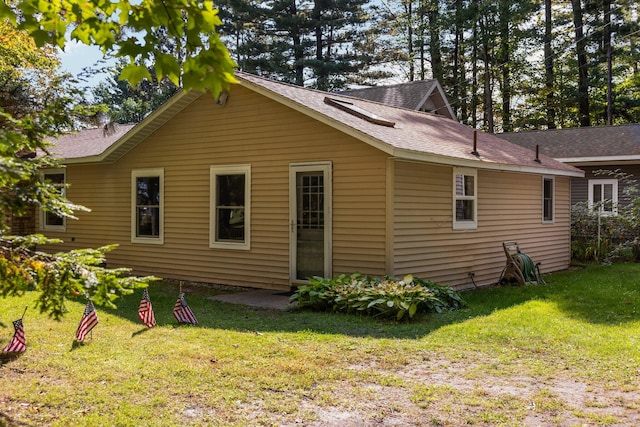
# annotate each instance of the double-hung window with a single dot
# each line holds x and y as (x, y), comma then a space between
(548, 199)
(147, 201)
(48, 220)
(465, 200)
(230, 207)
(603, 196)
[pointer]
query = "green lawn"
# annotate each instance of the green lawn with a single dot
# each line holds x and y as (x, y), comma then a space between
(563, 354)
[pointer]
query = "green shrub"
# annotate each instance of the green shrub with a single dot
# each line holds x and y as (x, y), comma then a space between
(387, 297)
(608, 238)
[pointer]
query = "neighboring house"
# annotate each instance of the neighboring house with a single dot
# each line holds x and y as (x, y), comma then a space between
(274, 183)
(420, 95)
(592, 149)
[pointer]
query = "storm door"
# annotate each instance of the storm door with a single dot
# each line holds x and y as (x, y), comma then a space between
(310, 221)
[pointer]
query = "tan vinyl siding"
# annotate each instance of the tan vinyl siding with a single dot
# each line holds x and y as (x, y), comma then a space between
(509, 208)
(249, 129)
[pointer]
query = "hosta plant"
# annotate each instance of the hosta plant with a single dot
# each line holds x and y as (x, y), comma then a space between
(385, 297)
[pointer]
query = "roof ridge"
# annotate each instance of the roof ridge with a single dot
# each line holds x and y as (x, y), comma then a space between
(326, 93)
(393, 85)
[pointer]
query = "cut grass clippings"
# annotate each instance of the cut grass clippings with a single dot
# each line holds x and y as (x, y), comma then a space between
(563, 354)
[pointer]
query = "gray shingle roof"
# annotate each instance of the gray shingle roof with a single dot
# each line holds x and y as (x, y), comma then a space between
(412, 95)
(406, 95)
(599, 142)
(87, 142)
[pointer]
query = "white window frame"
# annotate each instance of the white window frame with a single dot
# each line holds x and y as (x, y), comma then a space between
(215, 171)
(465, 224)
(63, 189)
(141, 173)
(553, 200)
(614, 193)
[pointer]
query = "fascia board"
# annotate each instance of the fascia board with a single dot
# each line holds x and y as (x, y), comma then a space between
(139, 132)
(587, 161)
(480, 164)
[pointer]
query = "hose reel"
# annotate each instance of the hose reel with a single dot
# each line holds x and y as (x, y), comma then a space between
(520, 267)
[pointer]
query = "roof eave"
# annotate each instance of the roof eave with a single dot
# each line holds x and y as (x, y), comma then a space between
(142, 130)
(483, 164)
(600, 160)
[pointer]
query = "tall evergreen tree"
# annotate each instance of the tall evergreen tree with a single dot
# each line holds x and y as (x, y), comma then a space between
(548, 67)
(581, 53)
(127, 104)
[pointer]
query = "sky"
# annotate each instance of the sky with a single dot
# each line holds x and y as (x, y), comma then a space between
(77, 56)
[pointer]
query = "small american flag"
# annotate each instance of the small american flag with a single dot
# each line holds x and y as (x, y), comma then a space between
(88, 322)
(18, 344)
(145, 312)
(182, 312)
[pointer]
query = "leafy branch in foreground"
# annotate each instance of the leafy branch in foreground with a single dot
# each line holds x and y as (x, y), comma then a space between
(129, 30)
(387, 297)
(63, 275)
(38, 103)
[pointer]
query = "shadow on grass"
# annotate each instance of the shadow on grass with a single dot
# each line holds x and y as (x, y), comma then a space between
(8, 421)
(597, 294)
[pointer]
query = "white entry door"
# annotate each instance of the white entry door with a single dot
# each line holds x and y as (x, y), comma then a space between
(310, 220)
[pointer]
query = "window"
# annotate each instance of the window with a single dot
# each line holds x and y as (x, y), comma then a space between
(465, 188)
(147, 201)
(48, 220)
(548, 199)
(603, 196)
(230, 207)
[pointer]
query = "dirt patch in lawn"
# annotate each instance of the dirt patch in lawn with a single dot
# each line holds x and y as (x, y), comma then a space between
(443, 393)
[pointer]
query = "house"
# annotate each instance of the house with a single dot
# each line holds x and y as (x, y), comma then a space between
(420, 95)
(273, 183)
(594, 150)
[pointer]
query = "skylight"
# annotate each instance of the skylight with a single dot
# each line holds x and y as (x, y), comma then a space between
(358, 112)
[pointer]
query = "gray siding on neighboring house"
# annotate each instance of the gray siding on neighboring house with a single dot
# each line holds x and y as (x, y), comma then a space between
(580, 187)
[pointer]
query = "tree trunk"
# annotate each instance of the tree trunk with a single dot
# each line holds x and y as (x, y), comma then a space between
(607, 48)
(412, 67)
(583, 82)
(321, 69)
(488, 99)
(434, 39)
(298, 50)
(548, 66)
(504, 60)
(474, 77)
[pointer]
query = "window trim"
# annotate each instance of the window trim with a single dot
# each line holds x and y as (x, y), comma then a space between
(466, 224)
(553, 199)
(43, 214)
(137, 173)
(214, 172)
(614, 193)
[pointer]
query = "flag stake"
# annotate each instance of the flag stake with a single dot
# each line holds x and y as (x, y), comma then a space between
(24, 312)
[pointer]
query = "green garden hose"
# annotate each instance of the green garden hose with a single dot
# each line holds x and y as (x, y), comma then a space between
(526, 266)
